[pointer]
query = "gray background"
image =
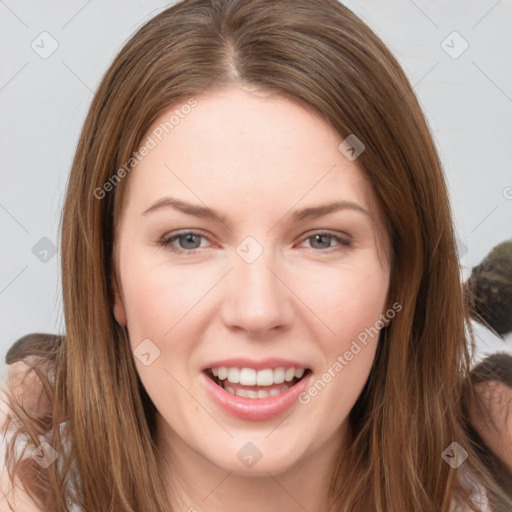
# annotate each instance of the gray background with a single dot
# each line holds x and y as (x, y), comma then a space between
(467, 99)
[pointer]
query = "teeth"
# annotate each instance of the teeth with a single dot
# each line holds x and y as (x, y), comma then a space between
(234, 375)
(289, 374)
(247, 377)
(265, 378)
(240, 392)
(279, 375)
(256, 394)
(252, 377)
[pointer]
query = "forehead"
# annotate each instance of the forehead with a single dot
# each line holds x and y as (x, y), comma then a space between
(245, 153)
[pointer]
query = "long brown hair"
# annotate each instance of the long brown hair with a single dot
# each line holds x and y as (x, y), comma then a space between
(316, 52)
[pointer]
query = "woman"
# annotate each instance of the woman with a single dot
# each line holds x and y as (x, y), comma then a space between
(257, 366)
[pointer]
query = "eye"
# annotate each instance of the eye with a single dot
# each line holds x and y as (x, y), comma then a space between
(192, 238)
(323, 235)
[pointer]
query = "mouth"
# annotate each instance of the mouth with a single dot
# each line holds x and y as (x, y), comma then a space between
(256, 384)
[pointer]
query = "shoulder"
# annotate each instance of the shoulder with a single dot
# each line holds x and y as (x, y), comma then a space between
(15, 499)
(12, 497)
(23, 380)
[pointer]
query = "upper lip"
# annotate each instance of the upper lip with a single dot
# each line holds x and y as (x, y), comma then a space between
(261, 364)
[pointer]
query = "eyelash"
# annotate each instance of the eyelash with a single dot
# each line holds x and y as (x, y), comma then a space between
(166, 242)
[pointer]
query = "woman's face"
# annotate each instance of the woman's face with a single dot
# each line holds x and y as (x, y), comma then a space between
(253, 290)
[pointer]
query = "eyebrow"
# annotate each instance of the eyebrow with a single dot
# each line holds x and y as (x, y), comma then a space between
(311, 212)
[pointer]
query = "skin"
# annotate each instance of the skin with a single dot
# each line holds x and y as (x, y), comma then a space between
(494, 421)
(27, 387)
(254, 157)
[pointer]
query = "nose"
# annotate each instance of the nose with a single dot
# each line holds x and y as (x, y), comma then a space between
(257, 297)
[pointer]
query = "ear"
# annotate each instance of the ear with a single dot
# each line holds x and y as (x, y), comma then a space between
(119, 309)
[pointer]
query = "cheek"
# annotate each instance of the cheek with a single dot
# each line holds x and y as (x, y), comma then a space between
(350, 304)
(159, 308)
(157, 298)
(346, 299)
(351, 307)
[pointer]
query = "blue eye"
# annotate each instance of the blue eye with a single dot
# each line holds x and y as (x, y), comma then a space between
(324, 234)
(189, 237)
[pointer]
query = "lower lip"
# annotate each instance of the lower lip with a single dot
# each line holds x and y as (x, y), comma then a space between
(255, 409)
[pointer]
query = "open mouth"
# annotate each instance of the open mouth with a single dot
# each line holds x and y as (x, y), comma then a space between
(248, 383)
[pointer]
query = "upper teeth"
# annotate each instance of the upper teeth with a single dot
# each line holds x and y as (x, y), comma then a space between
(252, 377)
